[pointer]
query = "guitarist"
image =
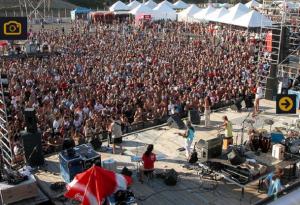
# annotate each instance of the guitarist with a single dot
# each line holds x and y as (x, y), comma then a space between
(189, 137)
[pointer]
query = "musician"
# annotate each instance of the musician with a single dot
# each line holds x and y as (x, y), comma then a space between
(189, 137)
(116, 134)
(258, 96)
(207, 104)
(227, 125)
(148, 160)
(273, 181)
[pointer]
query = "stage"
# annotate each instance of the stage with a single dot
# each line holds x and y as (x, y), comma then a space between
(190, 189)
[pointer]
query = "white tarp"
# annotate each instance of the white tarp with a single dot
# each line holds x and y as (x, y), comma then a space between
(119, 6)
(253, 4)
(180, 5)
(252, 19)
(141, 9)
(163, 11)
(151, 4)
(133, 4)
(203, 13)
(235, 12)
(187, 14)
(216, 15)
(167, 3)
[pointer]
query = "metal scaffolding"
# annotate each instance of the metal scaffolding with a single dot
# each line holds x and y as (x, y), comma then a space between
(34, 8)
(284, 57)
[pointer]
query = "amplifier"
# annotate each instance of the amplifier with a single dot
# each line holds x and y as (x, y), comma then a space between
(207, 149)
(72, 163)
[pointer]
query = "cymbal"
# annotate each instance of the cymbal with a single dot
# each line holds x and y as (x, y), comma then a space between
(285, 123)
(268, 121)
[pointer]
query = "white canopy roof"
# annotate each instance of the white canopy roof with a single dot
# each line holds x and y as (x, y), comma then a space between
(133, 4)
(290, 5)
(252, 19)
(163, 11)
(235, 12)
(119, 6)
(141, 9)
(165, 2)
(188, 13)
(252, 3)
(151, 4)
(180, 5)
(203, 13)
(217, 14)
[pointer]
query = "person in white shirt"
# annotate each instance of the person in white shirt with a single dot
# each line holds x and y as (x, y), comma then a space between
(258, 96)
(116, 134)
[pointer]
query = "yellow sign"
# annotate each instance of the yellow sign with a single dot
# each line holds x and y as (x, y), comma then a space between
(286, 104)
(12, 28)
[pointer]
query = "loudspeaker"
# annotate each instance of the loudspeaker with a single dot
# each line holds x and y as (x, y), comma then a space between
(209, 149)
(235, 158)
(271, 88)
(194, 117)
(96, 143)
(176, 122)
(30, 120)
(32, 143)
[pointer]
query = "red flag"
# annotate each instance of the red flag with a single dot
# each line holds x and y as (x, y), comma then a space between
(95, 184)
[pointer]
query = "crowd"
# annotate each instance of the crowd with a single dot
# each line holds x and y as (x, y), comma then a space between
(109, 72)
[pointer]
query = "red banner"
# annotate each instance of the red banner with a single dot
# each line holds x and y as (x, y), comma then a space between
(269, 41)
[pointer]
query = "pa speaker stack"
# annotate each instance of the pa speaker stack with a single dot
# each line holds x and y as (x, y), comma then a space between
(32, 140)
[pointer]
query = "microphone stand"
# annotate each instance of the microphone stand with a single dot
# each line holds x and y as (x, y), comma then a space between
(33, 151)
(243, 128)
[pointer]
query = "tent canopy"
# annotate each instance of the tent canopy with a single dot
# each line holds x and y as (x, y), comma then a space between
(252, 19)
(163, 11)
(217, 14)
(141, 9)
(167, 3)
(180, 5)
(253, 3)
(203, 13)
(119, 6)
(235, 12)
(81, 10)
(133, 4)
(188, 13)
(151, 4)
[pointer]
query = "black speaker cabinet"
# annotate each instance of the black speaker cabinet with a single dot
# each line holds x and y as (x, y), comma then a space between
(207, 149)
(176, 122)
(32, 143)
(30, 120)
(194, 117)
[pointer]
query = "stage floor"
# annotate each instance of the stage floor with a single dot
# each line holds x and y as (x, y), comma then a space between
(190, 189)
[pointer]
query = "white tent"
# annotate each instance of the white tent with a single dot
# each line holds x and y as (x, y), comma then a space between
(180, 5)
(216, 15)
(141, 9)
(167, 3)
(187, 14)
(290, 5)
(252, 19)
(151, 4)
(119, 6)
(235, 12)
(203, 13)
(163, 11)
(133, 4)
(253, 4)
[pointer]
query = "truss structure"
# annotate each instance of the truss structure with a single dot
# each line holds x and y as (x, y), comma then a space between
(34, 9)
(284, 57)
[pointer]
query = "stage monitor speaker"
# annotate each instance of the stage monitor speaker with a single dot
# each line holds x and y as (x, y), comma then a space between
(30, 120)
(176, 122)
(207, 149)
(96, 143)
(194, 117)
(235, 158)
(32, 144)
